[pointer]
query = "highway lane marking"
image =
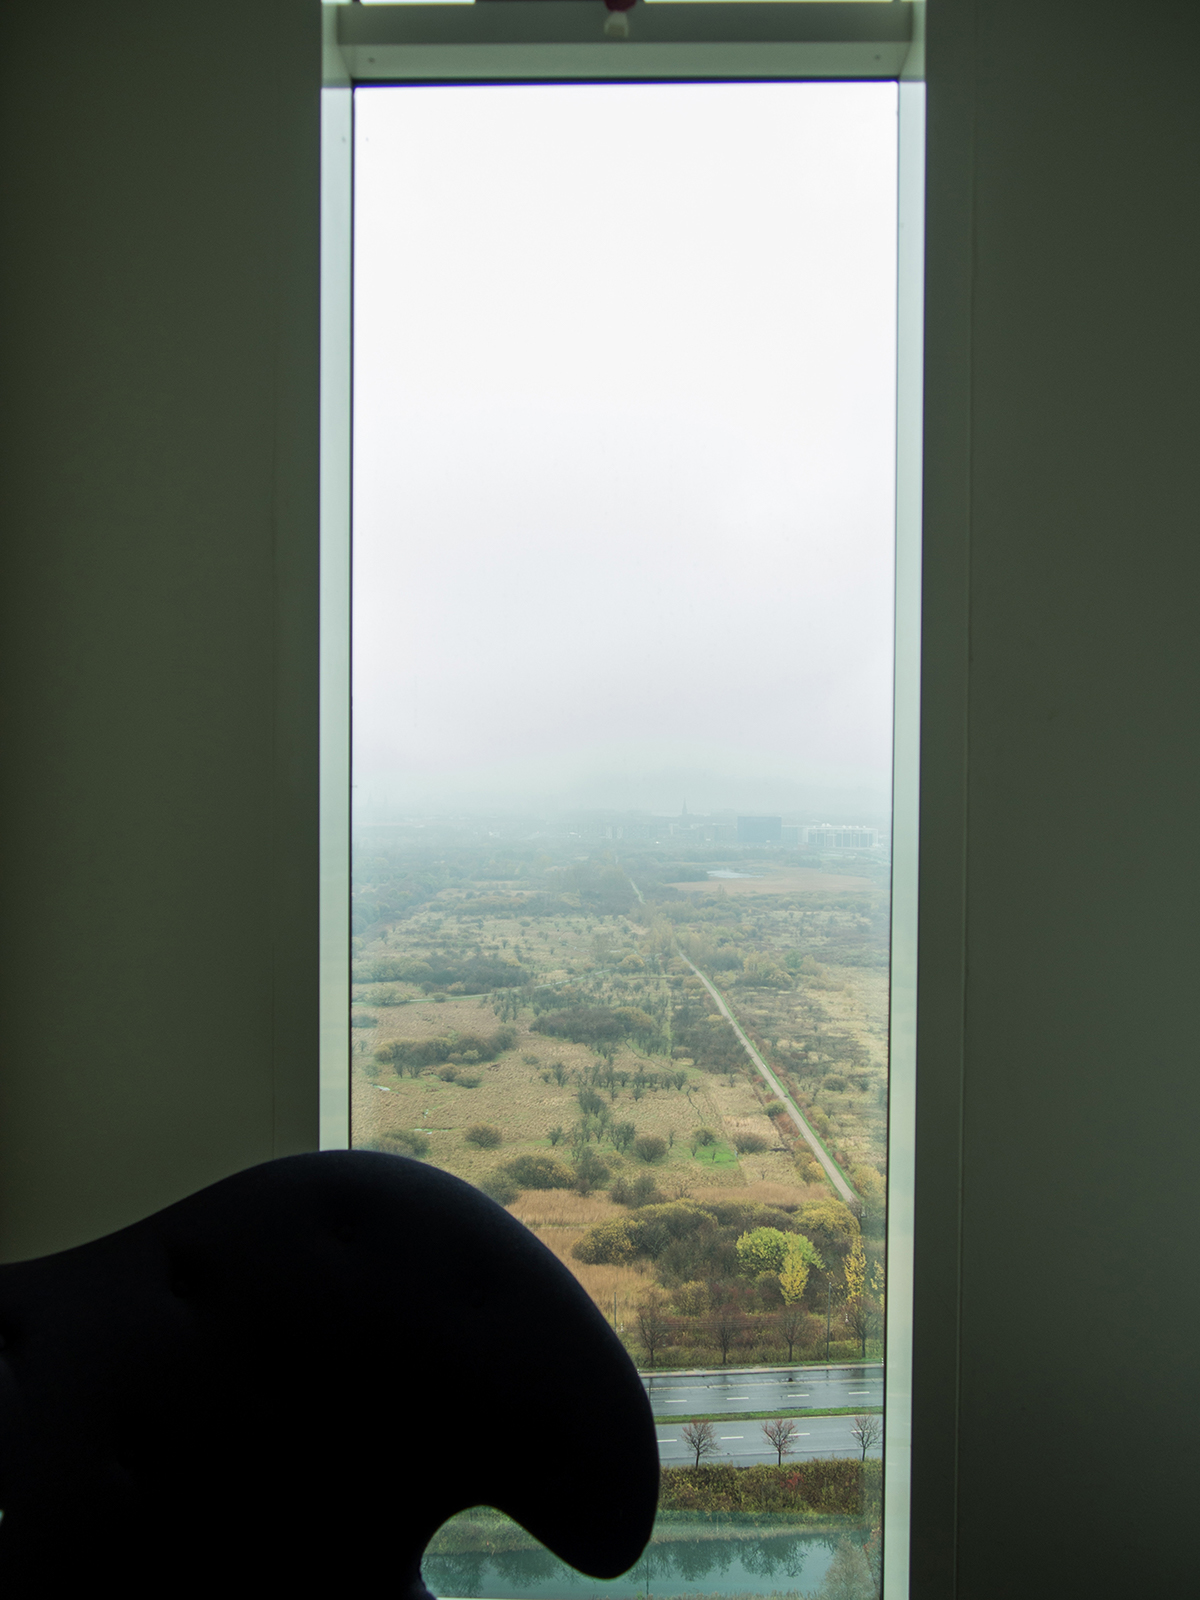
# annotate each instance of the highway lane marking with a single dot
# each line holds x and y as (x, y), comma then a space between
(730, 1438)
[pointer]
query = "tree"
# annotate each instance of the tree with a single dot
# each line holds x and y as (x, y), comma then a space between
(830, 1225)
(799, 1256)
(860, 1313)
(484, 1136)
(591, 1170)
(726, 1327)
(856, 1269)
(649, 1147)
(780, 1435)
(849, 1576)
(867, 1430)
(652, 1325)
(861, 1316)
(700, 1437)
(790, 1323)
(872, 1191)
(762, 1250)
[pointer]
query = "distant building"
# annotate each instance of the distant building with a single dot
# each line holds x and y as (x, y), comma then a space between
(790, 837)
(829, 837)
(759, 830)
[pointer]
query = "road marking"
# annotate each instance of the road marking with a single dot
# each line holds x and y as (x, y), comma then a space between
(728, 1438)
(858, 1391)
(737, 1397)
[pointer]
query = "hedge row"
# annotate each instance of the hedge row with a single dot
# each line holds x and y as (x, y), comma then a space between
(837, 1488)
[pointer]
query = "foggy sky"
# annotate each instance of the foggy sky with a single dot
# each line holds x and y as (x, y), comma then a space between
(624, 418)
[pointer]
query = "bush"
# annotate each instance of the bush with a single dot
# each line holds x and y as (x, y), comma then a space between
(384, 997)
(484, 1136)
(639, 1191)
(406, 1142)
(842, 1487)
(591, 1171)
(538, 1172)
(500, 1188)
(750, 1144)
(834, 1080)
(607, 1244)
(776, 1109)
(649, 1147)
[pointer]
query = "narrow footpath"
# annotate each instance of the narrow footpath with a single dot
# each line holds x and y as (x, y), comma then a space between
(810, 1138)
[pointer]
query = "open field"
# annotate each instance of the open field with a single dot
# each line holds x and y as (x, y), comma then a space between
(512, 1007)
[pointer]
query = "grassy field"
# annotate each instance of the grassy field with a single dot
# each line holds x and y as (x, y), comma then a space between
(544, 996)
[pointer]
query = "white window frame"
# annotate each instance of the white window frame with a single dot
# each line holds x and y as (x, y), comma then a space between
(565, 40)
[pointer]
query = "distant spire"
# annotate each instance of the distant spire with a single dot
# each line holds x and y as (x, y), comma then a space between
(683, 813)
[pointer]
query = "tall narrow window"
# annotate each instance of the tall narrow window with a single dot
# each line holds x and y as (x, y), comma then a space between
(624, 413)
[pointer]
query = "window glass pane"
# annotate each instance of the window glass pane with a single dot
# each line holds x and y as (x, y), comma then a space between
(623, 535)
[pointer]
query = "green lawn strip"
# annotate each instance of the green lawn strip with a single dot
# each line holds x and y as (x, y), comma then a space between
(765, 1416)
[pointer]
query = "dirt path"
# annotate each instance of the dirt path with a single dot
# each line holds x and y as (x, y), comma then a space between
(810, 1138)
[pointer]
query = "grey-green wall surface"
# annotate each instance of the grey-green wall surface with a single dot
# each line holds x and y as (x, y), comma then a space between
(1056, 1389)
(159, 200)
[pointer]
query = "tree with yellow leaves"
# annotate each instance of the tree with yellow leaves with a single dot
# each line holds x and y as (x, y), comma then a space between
(798, 1256)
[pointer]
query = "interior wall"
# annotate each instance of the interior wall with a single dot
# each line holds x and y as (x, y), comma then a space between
(158, 372)
(158, 644)
(1054, 1442)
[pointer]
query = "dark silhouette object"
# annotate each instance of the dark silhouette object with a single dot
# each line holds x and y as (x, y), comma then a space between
(251, 1391)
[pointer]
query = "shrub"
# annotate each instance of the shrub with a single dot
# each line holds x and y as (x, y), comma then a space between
(838, 1487)
(834, 1080)
(484, 1136)
(413, 1055)
(538, 1172)
(591, 1171)
(776, 1108)
(749, 1144)
(406, 1142)
(500, 1188)
(639, 1191)
(649, 1147)
(388, 996)
(607, 1244)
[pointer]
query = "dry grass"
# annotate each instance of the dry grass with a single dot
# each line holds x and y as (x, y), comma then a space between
(769, 1194)
(626, 1284)
(563, 1208)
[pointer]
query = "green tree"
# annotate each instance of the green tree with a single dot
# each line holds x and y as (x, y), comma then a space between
(649, 1147)
(484, 1136)
(872, 1191)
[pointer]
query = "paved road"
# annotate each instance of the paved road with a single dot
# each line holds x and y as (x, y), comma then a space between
(814, 1144)
(787, 1391)
(745, 1444)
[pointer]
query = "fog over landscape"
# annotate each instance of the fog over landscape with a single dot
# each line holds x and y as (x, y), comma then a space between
(624, 397)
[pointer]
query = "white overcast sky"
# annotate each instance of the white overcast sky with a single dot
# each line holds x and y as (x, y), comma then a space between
(624, 436)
